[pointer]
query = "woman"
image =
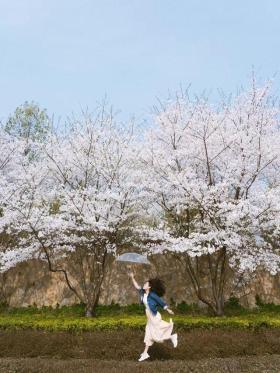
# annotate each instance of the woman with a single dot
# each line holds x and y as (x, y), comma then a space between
(157, 330)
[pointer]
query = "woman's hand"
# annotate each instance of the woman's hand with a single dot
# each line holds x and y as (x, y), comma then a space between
(170, 311)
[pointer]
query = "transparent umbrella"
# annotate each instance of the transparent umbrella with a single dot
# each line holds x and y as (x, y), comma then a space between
(131, 261)
(133, 258)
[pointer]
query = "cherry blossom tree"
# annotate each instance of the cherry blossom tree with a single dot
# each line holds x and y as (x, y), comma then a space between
(18, 170)
(74, 203)
(214, 177)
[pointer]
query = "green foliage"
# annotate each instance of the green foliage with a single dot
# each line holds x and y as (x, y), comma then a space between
(70, 323)
(76, 310)
(266, 307)
(259, 302)
(29, 121)
(132, 309)
(115, 317)
(186, 308)
(232, 307)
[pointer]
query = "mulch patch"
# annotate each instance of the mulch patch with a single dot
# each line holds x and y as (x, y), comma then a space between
(126, 345)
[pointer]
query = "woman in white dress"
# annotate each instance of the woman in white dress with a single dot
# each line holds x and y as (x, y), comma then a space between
(157, 330)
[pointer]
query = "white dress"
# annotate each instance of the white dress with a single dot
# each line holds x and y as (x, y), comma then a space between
(157, 330)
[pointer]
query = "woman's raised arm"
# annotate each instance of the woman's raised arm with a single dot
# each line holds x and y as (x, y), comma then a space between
(136, 285)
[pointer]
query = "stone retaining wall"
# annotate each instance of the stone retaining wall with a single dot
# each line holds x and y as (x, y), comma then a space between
(31, 283)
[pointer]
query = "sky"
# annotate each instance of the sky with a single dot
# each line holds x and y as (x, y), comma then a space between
(67, 55)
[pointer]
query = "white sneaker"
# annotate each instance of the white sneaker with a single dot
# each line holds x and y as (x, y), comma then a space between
(174, 340)
(144, 356)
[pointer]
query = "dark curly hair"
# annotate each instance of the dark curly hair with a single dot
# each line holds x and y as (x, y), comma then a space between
(157, 286)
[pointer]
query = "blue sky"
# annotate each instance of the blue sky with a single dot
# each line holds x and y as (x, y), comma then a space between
(67, 55)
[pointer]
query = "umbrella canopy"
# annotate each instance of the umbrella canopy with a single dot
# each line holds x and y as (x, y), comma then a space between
(133, 258)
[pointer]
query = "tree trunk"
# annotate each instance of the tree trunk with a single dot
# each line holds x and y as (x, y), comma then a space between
(220, 307)
(91, 306)
(90, 310)
(217, 274)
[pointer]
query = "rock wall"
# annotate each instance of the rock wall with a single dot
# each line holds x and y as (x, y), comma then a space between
(31, 283)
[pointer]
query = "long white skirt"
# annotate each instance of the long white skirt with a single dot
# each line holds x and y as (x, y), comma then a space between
(157, 330)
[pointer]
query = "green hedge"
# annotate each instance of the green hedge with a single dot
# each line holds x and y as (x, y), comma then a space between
(76, 324)
(76, 310)
(114, 316)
